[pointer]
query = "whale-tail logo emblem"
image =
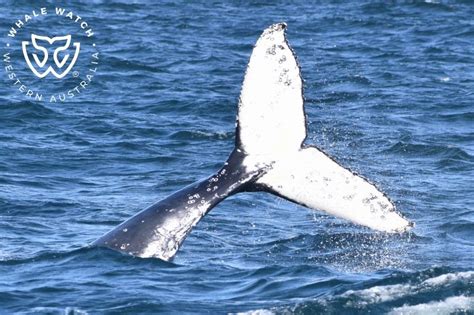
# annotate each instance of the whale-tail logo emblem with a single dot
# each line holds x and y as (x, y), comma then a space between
(41, 56)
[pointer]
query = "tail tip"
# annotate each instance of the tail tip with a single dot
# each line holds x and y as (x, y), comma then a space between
(405, 228)
(279, 26)
(410, 225)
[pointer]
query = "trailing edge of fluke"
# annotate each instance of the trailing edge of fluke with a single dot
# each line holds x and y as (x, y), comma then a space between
(270, 156)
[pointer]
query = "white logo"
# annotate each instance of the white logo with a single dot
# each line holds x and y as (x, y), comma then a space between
(50, 67)
(41, 63)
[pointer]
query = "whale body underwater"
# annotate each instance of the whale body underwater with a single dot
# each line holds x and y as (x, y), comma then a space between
(270, 156)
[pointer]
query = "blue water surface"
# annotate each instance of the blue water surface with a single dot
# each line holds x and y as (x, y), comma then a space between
(389, 90)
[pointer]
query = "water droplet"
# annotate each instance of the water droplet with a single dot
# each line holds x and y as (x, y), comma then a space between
(125, 230)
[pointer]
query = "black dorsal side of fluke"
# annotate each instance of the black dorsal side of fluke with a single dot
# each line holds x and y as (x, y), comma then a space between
(159, 230)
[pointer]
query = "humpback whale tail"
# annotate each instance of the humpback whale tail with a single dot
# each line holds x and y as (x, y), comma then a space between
(269, 156)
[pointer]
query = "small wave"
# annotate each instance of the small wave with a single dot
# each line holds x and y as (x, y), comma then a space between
(56, 310)
(448, 278)
(414, 149)
(457, 117)
(340, 96)
(393, 298)
(81, 255)
(434, 5)
(360, 79)
(118, 63)
(458, 227)
(255, 312)
(448, 306)
(26, 110)
(200, 135)
(386, 293)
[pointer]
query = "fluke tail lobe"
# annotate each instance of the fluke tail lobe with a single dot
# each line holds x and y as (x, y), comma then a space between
(269, 156)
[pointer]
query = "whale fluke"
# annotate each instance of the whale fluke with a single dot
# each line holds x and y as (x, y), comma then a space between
(270, 156)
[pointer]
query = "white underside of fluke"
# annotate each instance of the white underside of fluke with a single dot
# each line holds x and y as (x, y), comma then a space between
(271, 118)
(272, 128)
(309, 177)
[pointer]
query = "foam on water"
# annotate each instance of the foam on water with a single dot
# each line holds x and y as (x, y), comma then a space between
(460, 304)
(386, 293)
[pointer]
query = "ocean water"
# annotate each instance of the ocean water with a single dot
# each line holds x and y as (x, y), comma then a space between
(389, 89)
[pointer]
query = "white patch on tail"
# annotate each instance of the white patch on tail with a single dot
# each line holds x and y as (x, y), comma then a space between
(309, 177)
(271, 116)
(272, 128)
